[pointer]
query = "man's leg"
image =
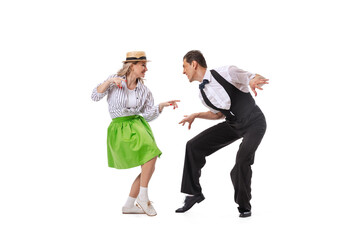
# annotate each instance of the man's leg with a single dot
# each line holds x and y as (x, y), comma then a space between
(202, 145)
(241, 173)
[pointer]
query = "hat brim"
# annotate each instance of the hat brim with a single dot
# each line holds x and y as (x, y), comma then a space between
(136, 60)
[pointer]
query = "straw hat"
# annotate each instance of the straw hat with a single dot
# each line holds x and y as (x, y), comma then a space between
(136, 56)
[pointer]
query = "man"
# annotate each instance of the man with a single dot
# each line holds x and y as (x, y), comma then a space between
(225, 91)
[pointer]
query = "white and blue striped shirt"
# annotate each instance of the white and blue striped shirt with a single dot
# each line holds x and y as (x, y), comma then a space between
(118, 101)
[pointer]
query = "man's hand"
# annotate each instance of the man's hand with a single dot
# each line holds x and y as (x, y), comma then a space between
(204, 115)
(188, 119)
(257, 82)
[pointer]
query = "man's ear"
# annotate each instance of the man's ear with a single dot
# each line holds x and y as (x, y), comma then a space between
(194, 64)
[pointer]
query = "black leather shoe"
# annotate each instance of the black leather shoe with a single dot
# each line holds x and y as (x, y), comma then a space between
(245, 214)
(190, 201)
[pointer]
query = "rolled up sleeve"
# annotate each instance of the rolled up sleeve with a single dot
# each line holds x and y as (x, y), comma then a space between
(149, 110)
(241, 77)
(96, 96)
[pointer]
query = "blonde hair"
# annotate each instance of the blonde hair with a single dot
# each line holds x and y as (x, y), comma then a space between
(126, 70)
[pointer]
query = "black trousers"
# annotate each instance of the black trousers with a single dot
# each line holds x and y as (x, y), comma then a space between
(251, 129)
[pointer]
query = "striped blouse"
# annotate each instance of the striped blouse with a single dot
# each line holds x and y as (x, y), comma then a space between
(118, 101)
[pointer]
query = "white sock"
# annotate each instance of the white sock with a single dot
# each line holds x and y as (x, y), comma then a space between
(130, 202)
(143, 194)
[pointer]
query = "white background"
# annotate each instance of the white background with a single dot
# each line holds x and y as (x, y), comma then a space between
(54, 179)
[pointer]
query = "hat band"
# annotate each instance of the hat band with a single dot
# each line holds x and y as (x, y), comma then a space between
(134, 58)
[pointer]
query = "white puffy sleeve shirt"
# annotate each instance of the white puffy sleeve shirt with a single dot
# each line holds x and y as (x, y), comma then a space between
(141, 103)
(217, 94)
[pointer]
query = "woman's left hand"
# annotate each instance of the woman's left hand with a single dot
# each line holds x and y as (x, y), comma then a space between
(168, 103)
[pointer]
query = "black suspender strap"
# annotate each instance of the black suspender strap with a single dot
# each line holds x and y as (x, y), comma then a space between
(228, 114)
(241, 103)
(207, 101)
(230, 89)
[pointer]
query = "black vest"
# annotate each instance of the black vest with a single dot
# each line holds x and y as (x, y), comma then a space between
(241, 103)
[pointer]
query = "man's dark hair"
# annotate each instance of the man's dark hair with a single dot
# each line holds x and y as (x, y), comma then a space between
(195, 55)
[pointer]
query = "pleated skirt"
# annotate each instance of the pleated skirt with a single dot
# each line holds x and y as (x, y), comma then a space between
(130, 142)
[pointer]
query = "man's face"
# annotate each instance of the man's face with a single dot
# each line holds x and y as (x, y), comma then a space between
(189, 70)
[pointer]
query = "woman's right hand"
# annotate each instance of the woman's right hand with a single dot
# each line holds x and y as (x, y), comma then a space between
(118, 81)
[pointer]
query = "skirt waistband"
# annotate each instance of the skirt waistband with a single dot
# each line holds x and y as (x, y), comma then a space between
(126, 118)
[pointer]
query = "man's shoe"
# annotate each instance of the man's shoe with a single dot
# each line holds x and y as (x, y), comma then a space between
(245, 214)
(132, 210)
(190, 201)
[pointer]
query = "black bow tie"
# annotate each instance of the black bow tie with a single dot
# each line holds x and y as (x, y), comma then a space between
(202, 85)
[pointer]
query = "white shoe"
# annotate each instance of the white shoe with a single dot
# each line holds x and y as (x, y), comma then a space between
(132, 210)
(147, 207)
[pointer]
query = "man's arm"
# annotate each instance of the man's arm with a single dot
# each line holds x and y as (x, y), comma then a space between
(204, 115)
(243, 78)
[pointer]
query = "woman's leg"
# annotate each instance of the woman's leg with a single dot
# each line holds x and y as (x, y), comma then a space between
(135, 187)
(147, 170)
(129, 207)
(143, 200)
(144, 177)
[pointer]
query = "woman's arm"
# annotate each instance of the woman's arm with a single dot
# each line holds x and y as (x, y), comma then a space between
(168, 103)
(103, 89)
(104, 86)
(150, 111)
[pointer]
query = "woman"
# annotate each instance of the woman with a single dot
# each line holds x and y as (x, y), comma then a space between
(130, 141)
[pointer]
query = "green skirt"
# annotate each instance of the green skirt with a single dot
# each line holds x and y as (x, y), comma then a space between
(130, 142)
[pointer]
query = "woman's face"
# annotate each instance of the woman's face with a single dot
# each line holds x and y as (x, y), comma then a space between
(139, 69)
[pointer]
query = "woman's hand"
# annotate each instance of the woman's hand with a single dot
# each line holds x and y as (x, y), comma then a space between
(118, 81)
(257, 82)
(168, 103)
